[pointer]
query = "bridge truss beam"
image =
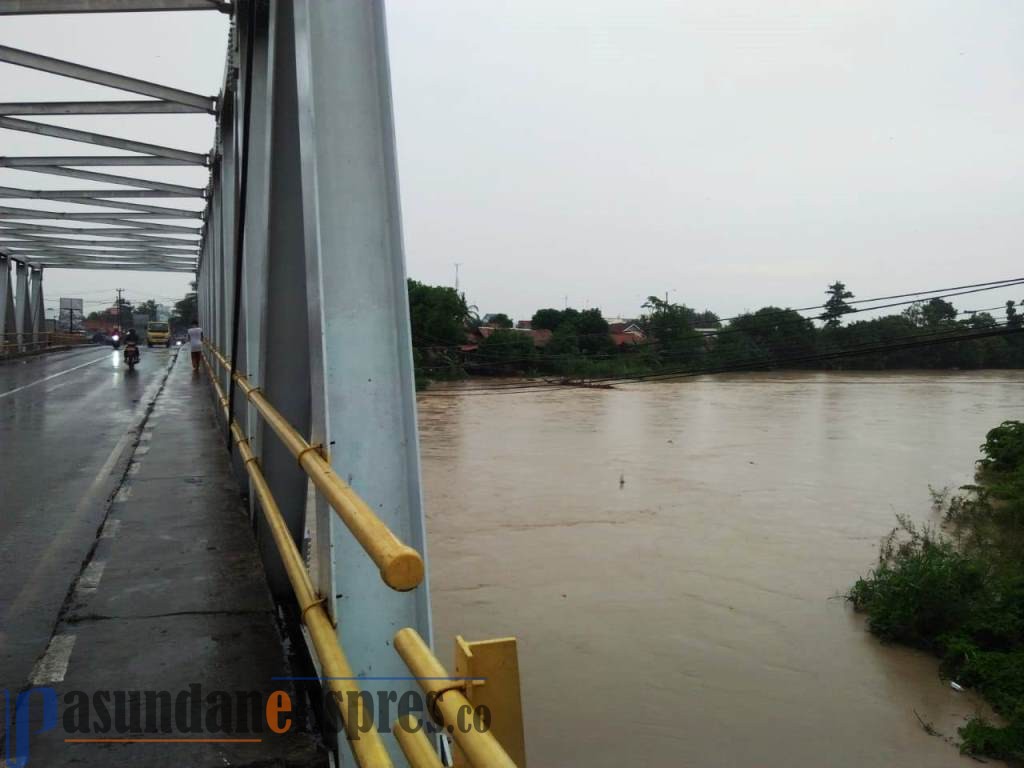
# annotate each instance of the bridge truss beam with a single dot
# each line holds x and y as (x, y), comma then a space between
(306, 178)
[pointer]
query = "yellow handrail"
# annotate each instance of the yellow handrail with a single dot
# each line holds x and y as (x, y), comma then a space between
(367, 746)
(448, 704)
(414, 743)
(401, 566)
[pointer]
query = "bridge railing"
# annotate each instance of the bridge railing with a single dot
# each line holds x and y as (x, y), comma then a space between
(12, 344)
(451, 701)
(401, 566)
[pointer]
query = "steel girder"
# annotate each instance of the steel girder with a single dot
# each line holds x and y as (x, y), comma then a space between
(162, 246)
(89, 137)
(141, 232)
(27, 7)
(362, 382)
(321, 255)
(36, 311)
(22, 315)
(95, 108)
(37, 161)
(126, 266)
(6, 302)
(113, 178)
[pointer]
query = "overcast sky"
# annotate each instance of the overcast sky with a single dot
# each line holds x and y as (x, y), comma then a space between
(732, 152)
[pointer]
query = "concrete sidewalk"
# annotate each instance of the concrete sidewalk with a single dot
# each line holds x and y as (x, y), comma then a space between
(172, 596)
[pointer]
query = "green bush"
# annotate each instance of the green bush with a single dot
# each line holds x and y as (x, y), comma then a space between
(921, 589)
(1004, 447)
(981, 737)
(960, 593)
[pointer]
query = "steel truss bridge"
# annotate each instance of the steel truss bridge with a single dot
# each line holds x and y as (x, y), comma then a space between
(296, 244)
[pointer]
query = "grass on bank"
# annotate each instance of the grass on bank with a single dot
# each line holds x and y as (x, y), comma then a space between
(959, 591)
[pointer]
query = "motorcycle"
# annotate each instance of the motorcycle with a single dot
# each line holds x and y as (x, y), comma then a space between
(115, 341)
(131, 354)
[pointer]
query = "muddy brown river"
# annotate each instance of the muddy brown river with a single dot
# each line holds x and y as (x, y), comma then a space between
(687, 615)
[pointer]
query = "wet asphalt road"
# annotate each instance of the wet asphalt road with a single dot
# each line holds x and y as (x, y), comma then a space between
(67, 423)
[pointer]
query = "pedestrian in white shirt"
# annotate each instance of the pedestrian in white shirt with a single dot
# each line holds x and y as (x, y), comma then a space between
(195, 342)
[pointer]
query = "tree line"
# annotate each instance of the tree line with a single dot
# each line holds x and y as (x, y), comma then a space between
(448, 344)
(184, 311)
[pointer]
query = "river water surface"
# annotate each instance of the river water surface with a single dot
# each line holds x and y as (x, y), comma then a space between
(688, 616)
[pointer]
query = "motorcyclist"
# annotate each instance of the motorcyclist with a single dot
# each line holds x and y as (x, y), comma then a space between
(131, 347)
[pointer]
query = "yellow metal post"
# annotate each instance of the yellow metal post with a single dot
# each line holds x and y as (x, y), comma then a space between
(495, 664)
(448, 704)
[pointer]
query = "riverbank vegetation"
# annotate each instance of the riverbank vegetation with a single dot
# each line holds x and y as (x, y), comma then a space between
(450, 340)
(958, 591)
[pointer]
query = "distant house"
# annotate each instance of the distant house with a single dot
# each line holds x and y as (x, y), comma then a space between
(524, 325)
(626, 326)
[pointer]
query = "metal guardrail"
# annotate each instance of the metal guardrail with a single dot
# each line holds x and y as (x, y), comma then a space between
(448, 697)
(11, 345)
(401, 566)
(367, 747)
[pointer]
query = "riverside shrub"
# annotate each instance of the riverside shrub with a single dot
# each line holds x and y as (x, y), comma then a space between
(959, 592)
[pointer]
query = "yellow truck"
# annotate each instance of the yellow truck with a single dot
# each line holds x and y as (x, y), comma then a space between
(158, 333)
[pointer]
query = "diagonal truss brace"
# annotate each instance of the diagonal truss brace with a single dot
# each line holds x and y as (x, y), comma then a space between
(42, 161)
(100, 77)
(141, 232)
(169, 213)
(95, 108)
(127, 181)
(34, 7)
(87, 137)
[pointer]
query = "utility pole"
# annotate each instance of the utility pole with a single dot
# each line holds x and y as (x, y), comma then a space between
(120, 311)
(457, 265)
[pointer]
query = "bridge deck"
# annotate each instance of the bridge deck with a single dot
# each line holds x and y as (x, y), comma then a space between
(161, 585)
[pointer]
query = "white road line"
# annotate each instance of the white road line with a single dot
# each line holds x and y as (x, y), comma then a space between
(89, 499)
(58, 385)
(54, 664)
(54, 376)
(110, 529)
(90, 578)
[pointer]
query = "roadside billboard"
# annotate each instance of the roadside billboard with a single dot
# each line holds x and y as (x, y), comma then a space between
(70, 319)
